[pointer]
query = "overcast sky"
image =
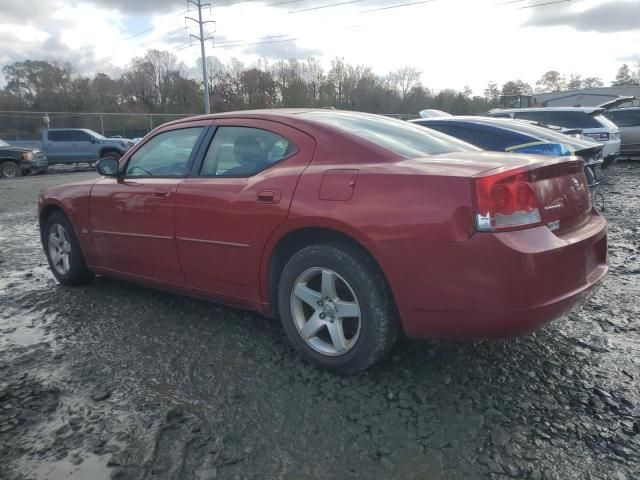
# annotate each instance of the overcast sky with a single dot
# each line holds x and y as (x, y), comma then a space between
(453, 42)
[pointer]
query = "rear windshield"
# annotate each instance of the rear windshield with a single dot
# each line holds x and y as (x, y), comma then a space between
(403, 138)
(605, 122)
(573, 120)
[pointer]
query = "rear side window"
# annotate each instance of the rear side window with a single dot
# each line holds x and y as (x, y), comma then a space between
(460, 133)
(58, 136)
(625, 118)
(573, 120)
(402, 138)
(244, 151)
(165, 155)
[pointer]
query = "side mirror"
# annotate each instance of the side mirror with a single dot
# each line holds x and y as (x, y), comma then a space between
(94, 140)
(108, 166)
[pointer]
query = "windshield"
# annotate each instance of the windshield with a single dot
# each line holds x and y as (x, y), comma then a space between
(95, 134)
(606, 123)
(4, 144)
(402, 138)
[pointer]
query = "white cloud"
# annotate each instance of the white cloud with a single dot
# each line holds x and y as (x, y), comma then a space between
(454, 42)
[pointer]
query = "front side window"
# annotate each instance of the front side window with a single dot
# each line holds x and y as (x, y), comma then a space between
(165, 155)
(402, 138)
(79, 136)
(244, 151)
(625, 118)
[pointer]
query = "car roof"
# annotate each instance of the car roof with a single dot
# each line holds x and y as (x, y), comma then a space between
(624, 109)
(549, 109)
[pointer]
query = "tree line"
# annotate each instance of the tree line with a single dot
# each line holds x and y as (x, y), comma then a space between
(158, 82)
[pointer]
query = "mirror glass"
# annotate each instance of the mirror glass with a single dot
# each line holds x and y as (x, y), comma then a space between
(108, 166)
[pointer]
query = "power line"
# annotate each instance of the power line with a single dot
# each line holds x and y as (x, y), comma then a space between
(256, 43)
(325, 6)
(146, 44)
(398, 6)
(544, 4)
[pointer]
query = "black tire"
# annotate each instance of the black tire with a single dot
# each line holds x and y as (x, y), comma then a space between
(78, 273)
(379, 324)
(9, 169)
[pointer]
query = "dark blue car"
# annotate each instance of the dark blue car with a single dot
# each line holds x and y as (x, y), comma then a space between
(515, 136)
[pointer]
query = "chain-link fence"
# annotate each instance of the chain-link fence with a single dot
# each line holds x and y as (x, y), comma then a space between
(23, 125)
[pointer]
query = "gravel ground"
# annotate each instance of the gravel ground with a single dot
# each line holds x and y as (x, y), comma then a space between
(118, 381)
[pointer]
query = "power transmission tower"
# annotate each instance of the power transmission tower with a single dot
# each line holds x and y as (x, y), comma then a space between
(202, 38)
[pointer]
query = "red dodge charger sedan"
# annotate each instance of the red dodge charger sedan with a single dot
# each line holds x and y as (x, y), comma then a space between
(348, 226)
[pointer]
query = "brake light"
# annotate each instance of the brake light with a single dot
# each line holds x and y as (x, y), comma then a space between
(604, 136)
(504, 201)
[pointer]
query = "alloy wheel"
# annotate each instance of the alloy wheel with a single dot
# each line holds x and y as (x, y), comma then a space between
(9, 170)
(59, 249)
(326, 311)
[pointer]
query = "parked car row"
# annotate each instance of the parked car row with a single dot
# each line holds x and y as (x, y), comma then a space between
(58, 146)
(590, 120)
(350, 227)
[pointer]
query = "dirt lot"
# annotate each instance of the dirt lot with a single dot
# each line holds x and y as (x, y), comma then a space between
(118, 381)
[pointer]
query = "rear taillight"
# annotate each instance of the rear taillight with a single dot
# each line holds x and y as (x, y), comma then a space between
(602, 136)
(504, 201)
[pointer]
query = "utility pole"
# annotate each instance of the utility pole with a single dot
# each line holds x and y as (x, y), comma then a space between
(202, 38)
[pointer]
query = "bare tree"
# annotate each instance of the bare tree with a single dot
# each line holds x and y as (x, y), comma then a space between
(403, 79)
(551, 81)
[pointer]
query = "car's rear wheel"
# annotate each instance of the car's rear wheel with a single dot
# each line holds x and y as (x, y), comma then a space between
(336, 308)
(9, 169)
(63, 251)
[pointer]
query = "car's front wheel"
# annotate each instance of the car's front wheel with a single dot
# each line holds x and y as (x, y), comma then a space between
(9, 169)
(63, 251)
(336, 308)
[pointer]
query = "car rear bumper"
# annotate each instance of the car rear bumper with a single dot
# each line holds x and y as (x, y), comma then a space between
(495, 285)
(611, 148)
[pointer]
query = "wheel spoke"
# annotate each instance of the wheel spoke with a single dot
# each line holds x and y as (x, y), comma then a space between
(347, 309)
(65, 262)
(313, 326)
(61, 233)
(329, 284)
(55, 239)
(337, 335)
(308, 296)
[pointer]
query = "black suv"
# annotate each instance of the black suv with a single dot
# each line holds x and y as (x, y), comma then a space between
(16, 161)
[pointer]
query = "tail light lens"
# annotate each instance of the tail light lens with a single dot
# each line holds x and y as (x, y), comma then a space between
(504, 201)
(602, 136)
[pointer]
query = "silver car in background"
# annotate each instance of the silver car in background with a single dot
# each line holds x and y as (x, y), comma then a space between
(628, 121)
(594, 125)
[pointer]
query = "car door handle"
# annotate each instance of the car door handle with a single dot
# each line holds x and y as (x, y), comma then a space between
(161, 194)
(269, 196)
